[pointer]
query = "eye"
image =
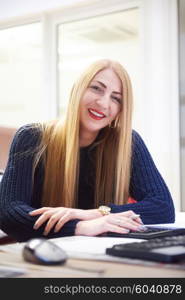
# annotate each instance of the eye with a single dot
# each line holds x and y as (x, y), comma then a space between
(117, 99)
(95, 87)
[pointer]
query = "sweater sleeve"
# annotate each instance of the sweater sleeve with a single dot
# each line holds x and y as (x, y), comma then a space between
(17, 186)
(147, 187)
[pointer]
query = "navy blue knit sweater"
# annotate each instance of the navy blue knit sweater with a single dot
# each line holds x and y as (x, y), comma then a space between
(19, 196)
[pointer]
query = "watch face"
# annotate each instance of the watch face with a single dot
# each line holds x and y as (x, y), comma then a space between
(105, 210)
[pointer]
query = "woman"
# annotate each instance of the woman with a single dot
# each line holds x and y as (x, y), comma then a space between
(59, 174)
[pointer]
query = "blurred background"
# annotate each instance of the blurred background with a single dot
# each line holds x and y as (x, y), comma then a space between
(44, 45)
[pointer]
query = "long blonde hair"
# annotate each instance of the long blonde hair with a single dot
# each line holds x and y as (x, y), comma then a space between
(60, 148)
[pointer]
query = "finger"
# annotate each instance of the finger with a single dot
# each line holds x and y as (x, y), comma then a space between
(126, 223)
(138, 220)
(135, 216)
(134, 226)
(52, 221)
(133, 222)
(140, 226)
(43, 218)
(39, 211)
(117, 229)
(64, 219)
(128, 213)
(132, 215)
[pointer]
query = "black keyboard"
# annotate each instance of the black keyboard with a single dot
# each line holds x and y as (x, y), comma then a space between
(167, 249)
(150, 233)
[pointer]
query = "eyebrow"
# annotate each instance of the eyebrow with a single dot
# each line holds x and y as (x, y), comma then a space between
(102, 84)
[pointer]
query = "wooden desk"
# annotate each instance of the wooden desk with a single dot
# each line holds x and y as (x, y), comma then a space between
(82, 269)
(78, 268)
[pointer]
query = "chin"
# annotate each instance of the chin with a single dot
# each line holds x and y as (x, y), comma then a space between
(96, 128)
(93, 126)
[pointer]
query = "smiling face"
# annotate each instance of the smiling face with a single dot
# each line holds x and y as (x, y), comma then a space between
(101, 104)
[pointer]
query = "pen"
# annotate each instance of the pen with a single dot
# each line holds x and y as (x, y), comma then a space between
(135, 217)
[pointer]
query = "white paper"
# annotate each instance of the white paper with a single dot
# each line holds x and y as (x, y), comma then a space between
(90, 245)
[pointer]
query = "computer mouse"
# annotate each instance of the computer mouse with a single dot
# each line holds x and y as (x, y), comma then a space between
(43, 251)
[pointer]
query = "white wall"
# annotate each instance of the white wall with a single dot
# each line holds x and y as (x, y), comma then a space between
(160, 89)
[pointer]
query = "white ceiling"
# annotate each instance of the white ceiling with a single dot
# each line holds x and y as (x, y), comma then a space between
(16, 8)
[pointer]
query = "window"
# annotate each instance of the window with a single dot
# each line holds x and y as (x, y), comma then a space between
(20, 74)
(81, 42)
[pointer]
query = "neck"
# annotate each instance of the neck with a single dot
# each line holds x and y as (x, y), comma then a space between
(87, 138)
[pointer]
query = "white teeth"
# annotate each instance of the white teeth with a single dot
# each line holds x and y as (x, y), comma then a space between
(96, 114)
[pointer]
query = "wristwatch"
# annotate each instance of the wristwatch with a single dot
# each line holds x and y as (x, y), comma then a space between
(104, 210)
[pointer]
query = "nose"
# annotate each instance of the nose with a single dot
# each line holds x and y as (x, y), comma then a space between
(103, 102)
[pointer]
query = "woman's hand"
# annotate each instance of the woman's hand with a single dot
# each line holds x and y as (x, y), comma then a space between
(57, 216)
(117, 222)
